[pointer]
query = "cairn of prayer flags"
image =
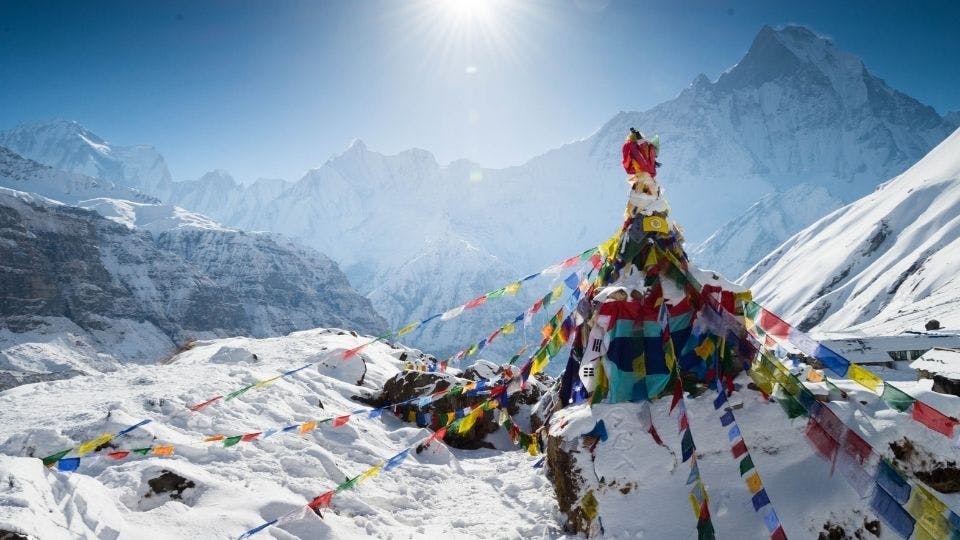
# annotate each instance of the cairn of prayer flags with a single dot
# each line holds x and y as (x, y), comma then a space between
(905, 505)
(511, 289)
(748, 471)
(764, 324)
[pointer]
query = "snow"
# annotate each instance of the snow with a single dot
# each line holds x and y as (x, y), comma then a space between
(944, 362)
(885, 264)
(438, 492)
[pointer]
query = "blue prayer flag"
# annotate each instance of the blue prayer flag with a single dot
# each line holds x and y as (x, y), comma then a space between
(720, 400)
(133, 427)
(290, 428)
(68, 464)
(539, 463)
(771, 520)
(599, 431)
(572, 281)
(727, 418)
(760, 499)
(255, 530)
(375, 413)
(396, 460)
(890, 480)
(734, 433)
(694, 474)
(892, 513)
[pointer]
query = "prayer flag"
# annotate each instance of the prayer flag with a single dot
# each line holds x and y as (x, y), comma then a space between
(321, 501)
(863, 376)
(746, 465)
(203, 405)
(589, 505)
(133, 427)
(163, 450)
(475, 302)
(307, 427)
(249, 437)
(892, 513)
(727, 418)
(407, 329)
(213, 438)
(513, 288)
(396, 460)
(686, 446)
(141, 451)
(890, 479)
(760, 499)
(753, 483)
(771, 520)
(449, 314)
(720, 400)
(734, 433)
(896, 398)
(68, 464)
(230, 441)
(94, 444)
(933, 418)
(341, 420)
(739, 449)
(118, 455)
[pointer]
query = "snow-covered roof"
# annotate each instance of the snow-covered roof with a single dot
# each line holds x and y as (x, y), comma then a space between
(944, 362)
(875, 348)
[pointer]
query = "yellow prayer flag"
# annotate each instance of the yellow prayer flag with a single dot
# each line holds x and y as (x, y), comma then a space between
(509, 329)
(557, 292)
(610, 247)
(539, 362)
(864, 377)
(513, 288)
(163, 450)
(532, 448)
(472, 350)
(265, 382)
(214, 438)
(373, 471)
(307, 427)
(651, 259)
(656, 224)
(92, 445)
(468, 421)
(590, 505)
(745, 296)
(407, 329)
(695, 506)
(705, 349)
(753, 482)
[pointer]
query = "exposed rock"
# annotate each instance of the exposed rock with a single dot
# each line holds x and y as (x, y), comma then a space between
(940, 474)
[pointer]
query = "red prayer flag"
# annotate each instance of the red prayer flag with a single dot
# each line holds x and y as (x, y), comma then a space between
(595, 261)
(118, 455)
(739, 449)
(352, 352)
(933, 418)
(854, 445)
(825, 445)
(778, 534)
(570, 262)
(656, 436)
(704, 511)
(439, 434)
(773, 325)
(677, 395)
(536, 306)
(199, 406)
(684, 423)
(475, 302)
(321, 501)
(250, 436)
(341, 420)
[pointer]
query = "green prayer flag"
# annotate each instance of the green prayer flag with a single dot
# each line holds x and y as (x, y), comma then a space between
(896, 398)
(590, 505)
(230, 441)
(790, 405)
(142, 451)
(53, 458)
(746, 465)
(236, 393)
(347, 485)
(705, 530)
(497, 293)
(751, 310)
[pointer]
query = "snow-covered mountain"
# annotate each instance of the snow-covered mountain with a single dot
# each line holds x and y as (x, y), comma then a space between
(796, 110)
(762, 227)
(885, 264)
(68, 146)
(17, 172)
(93, 292)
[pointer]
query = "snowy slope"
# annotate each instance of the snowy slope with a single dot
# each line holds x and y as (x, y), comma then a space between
(735, 246)
(883, 265)
(466, 494)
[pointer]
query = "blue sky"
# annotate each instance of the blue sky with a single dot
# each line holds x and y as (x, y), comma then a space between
(270, 89)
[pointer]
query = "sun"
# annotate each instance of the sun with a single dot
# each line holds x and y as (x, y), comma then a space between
(469, 12)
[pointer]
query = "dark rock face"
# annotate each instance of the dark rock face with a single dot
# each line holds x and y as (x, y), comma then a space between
(170, 483)
(941, 474)
(409, 384)
(62, 261)
(567, 479)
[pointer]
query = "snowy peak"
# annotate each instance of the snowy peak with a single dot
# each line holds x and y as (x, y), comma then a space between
(68, 146)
